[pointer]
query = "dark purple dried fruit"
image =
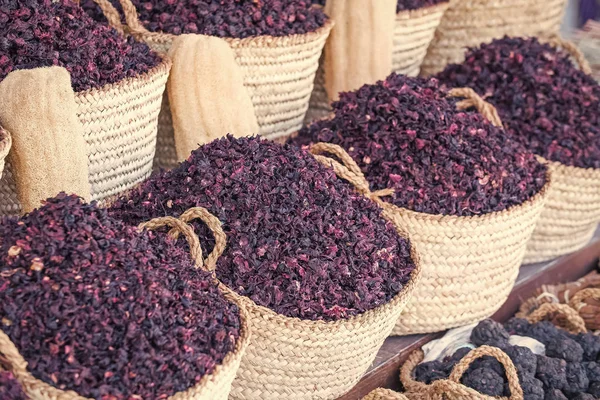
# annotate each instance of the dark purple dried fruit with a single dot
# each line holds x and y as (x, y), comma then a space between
(406, 134)
(10, 389)
(43, 33)
(100, 308)
(564, 348)
(532, 389)
(552, 372)
(432, 371)
(299, 240)
(577, 379)
(545, 102)
(491, 333)
(223, 18)
(590, 344)
(403, 4)
(485, 381)
(555, 394)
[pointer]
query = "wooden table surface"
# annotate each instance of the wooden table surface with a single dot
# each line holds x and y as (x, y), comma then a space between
(385, 369)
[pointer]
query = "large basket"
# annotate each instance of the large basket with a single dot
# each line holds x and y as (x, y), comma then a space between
(571, 215)
(469, 23)
(215, 386)
(413, 33)
(5, 143)
(119, 123)
(278, 73)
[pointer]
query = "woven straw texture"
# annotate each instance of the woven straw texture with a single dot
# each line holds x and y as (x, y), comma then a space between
(413, 33)
(468, 23)
(451, 388)
(120, 124)
(571, 215)
(215, 386)
(469, 264)
(5, 143)
(384, 394)
(289, 358)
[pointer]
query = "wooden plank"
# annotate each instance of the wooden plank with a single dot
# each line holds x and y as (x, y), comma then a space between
(385, 369)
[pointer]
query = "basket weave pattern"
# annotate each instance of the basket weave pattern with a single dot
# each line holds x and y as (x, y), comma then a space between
(119, 126)
(384, 394)
(413, 33)
(279, 73)
(571, 215)
(470, 264)
(5, 143)
(289, 358)
(468, 23)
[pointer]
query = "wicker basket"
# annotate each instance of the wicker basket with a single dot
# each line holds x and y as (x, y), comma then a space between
(571, 215)
(451, 388)
(215, 386)
(468, 23)
(290, 358)
(384, 394)
(119, 125)
(5, 143)
(278, 73)
(413, 32)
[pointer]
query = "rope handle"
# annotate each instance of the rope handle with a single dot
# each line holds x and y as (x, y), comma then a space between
(180, 225)
(452, 386)
(573, 50)
(573, 321)
(578, 300)
(348, 169)
(111, 14)
(472, 99)
(135, 27)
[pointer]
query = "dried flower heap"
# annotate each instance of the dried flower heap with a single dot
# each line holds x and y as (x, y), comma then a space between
(300, 241)
(100, 308)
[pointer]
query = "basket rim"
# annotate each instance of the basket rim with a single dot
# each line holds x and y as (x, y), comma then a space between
(162, 68)
(401, 297)
(220, 369)
(5, 143)
(422, 11)
(572, 168)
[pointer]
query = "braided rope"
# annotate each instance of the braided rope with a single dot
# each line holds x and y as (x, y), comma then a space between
(573, 321)
(112, 15)
(573, 50)
(472, 99)
(136, 28)
(452, 387)
(578, 300)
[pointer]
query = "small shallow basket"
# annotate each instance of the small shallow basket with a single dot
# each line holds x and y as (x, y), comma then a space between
(469, 23)
(278, 73)
(470, 264)
(290, 358)
(451, 388)
(5, 143)
(413, 33)
(215, 386)
(119, 123)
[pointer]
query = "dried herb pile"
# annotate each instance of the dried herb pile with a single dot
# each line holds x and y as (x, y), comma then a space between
(10, 389)
(43, 33)
(545, 101)
(570, 368)
(406, 134)
(97, 307)
(224, 18)
(403, 5)
(299, 240)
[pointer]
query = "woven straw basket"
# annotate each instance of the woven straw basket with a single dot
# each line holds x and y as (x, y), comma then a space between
(119, 127)
(571, 215)
(412, 35)
(5, 143)
(215, 386)
(384, 394)
(278, 73)
(451, 388)
(468, 23)
(470, 264)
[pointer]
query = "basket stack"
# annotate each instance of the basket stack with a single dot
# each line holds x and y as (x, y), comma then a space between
(413, 32)
(468, 23)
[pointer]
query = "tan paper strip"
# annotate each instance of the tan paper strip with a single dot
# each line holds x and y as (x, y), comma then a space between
(207, 94)
(360, 47)
(49, 153)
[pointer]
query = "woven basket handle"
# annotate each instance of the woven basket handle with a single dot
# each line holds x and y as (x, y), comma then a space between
(347, 170)
(574, 322)
(180, 225)
(573, 50)
(134, 26)
(111, 14)
(472, 99)
(452, 386)
(578, 300)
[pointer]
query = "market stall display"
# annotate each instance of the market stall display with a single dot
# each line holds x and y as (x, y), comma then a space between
(93, 308)
(109, 102)
(469, 23)
(454, 181)
(550, 106)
